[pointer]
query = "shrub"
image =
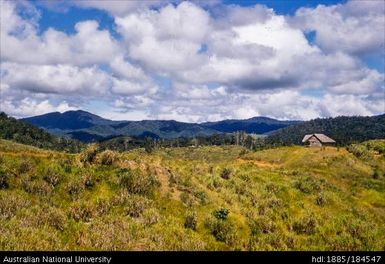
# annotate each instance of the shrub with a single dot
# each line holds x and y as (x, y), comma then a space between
(223, 231)
(186, 199)
(136, 205)
(25, 166)
(320, 200)
(88, 181)
(51, 176)
(191, 220)
(136, 182)
(89, 154)
(9, 204)
(263, 225)
(66, 165)
(3, 180)
(307, 185)
(56, 218)
(107, 157)
(81, 212)
(36, 187)
(221, 213)
(226, 173)
(150, 217)
(75, 187)
(201, 196)
(376, 174)
(305, 225)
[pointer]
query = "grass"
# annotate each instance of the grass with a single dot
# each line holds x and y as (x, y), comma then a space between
(196, 198)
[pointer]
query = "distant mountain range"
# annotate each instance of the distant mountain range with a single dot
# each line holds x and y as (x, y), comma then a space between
(88, 127)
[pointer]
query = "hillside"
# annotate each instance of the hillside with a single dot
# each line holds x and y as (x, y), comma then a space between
(344, 130)
(88, 127)
(13, 129)
(194, 198)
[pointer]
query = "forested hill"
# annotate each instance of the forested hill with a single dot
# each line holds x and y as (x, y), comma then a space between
(16, 130)
(344, 130)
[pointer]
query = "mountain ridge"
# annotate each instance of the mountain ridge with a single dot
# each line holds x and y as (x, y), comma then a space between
(85, 126)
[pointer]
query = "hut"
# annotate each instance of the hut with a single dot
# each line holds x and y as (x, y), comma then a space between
(318, 140)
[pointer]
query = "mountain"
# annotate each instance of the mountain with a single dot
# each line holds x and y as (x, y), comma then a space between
(344, 130)
(69, 120)
(21, 132)
(88, 127)
(256, 125)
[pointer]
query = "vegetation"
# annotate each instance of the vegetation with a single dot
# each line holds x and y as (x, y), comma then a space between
(193, 198)
(13, 129)
(344, 130)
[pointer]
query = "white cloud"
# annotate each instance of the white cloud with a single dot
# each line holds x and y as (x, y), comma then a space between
(30, 107)
(354, 27)
(222, 61)
(59, 79)
(168, 40)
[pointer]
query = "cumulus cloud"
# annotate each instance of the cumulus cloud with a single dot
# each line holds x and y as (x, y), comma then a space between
(59, 79)
(30, 107)
(220, 61)
(353, 27)
(167, 40)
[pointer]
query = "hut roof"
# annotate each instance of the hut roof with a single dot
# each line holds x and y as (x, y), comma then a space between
(321, 137)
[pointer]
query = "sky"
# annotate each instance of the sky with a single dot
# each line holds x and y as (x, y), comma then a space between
(193, 61)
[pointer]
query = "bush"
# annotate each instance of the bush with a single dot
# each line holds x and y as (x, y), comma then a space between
(36, 187)
(226, 173)
(307, 185)
(136, 205)
(202, 197)
(263, 225)
(3, 180)
(305, 225)
(223, 231)
(10, 204)
(221, 213)
(25, 166)
(81, 212)
(89, 154)
(136, 182)
(88, 181)
(56, 218)
(150, 217)
(75, 187)
(107, 157)
(51, 176)
(320, 200)
(191, 220)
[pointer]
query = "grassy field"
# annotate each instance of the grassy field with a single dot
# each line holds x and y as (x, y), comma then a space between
(202, 198)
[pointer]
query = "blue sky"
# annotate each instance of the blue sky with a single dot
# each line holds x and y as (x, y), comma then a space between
(193, 61)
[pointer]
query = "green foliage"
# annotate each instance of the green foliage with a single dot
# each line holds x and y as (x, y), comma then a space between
(51, 176)
(3, 179)
(222, 230)
(136, 182)
(307, 185)
(13, 129)
(305, 225)
(221, 213)
(226, 173)
(344, 130)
